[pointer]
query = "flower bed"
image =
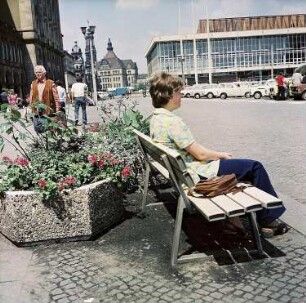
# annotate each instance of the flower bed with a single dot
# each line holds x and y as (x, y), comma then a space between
(65, 183)
(80, 214)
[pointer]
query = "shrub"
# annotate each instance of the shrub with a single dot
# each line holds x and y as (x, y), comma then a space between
(61, 158)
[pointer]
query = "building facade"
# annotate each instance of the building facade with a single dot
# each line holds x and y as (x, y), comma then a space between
(30, 34)
(69, 68)
(78, 61)
(247, 48)
(114, 72)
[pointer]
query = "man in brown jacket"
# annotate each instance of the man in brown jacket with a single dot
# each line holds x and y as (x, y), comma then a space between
(44, 91)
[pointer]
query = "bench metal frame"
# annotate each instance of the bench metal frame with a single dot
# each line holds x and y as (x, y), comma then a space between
(170, 164)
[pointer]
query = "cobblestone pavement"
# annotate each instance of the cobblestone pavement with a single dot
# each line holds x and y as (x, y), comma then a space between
(131, 262)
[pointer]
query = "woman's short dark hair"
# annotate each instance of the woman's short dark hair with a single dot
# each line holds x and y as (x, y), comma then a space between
(59, 82)
(162, 88)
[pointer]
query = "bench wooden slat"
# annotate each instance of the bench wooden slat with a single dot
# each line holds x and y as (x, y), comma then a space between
(207, 208)
(246, 201)
(230, 207)
(161, 169)
(266, 200)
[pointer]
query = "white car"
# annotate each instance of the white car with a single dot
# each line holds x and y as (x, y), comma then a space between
(224, 90)
(267, 88)
(103, 95)
(195, 91)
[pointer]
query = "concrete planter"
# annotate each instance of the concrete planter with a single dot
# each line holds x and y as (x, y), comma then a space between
(81, 214)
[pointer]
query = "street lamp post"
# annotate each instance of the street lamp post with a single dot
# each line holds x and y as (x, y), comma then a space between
(88, 33)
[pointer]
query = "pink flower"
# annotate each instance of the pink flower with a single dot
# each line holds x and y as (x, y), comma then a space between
(115, 161)
(60, 186)
(106, 155)
(7, 160)
(126, 171)
(101, 164)
(70, 180)
(94, 128)
(22, 161)
(93, 159)
(42, 183)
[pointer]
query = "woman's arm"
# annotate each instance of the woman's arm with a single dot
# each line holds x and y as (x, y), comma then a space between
(201, 153)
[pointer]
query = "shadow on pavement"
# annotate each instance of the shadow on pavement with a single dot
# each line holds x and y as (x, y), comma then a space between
(206, 237)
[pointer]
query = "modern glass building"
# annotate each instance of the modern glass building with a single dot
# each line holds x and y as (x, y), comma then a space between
(245, 48)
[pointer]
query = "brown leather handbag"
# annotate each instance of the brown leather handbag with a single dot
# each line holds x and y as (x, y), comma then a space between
(215, 186)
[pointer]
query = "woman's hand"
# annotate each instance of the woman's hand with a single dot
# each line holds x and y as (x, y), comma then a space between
(202, 153)
(223, 155)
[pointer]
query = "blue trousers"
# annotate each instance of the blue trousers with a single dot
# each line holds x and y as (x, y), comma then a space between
(80, 101)
(254, 172)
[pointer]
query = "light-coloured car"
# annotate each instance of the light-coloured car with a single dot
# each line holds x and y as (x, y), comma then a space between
(225, 90)
(103, 95)
(267, 88)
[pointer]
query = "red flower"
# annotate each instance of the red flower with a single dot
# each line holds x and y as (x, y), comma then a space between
(101, 164)
(42, 183)
(93, 159)
(7, 160)
(70, 180)
(126, 171)
(22, 161)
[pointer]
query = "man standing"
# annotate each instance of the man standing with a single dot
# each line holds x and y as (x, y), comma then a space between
(43, 91)
(79, 94)
(281, 85)
(62, 95)
(297, 79)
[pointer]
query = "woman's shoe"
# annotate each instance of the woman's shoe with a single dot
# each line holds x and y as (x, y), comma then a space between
(273, 229)
(234, 227)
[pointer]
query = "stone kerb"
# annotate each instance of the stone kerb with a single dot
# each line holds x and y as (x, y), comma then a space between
(81, 214)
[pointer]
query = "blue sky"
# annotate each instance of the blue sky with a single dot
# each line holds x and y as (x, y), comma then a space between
(131, 24)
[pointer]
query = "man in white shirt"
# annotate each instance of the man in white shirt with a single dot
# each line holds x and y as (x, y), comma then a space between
(79, 94)
(61, 94)
(297, 79)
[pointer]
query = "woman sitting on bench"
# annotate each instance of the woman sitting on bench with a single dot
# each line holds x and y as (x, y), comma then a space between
(168, 129)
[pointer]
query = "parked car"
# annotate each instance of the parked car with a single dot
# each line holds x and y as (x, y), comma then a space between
(186, 92)
(201, 90)
(267, 88)
(225, 90)
(103, 95)
(299, 92)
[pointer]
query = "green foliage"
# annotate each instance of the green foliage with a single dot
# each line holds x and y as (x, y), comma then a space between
(61, 158)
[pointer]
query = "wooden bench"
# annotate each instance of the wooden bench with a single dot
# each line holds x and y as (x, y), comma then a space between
(171, 165)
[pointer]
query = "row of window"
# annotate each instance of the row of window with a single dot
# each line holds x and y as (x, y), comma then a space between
(231, 45)
(233, 60)
(108, 80)
(111, 85)
(11, 52)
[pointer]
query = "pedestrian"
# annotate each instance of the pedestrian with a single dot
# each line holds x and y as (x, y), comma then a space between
(281, 87)
(3, 96)
(79, 91)
(297, 79)
(62, 95)
(43, 91)
(168, 129)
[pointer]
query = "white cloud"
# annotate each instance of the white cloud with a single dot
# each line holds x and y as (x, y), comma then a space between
(136, 4)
